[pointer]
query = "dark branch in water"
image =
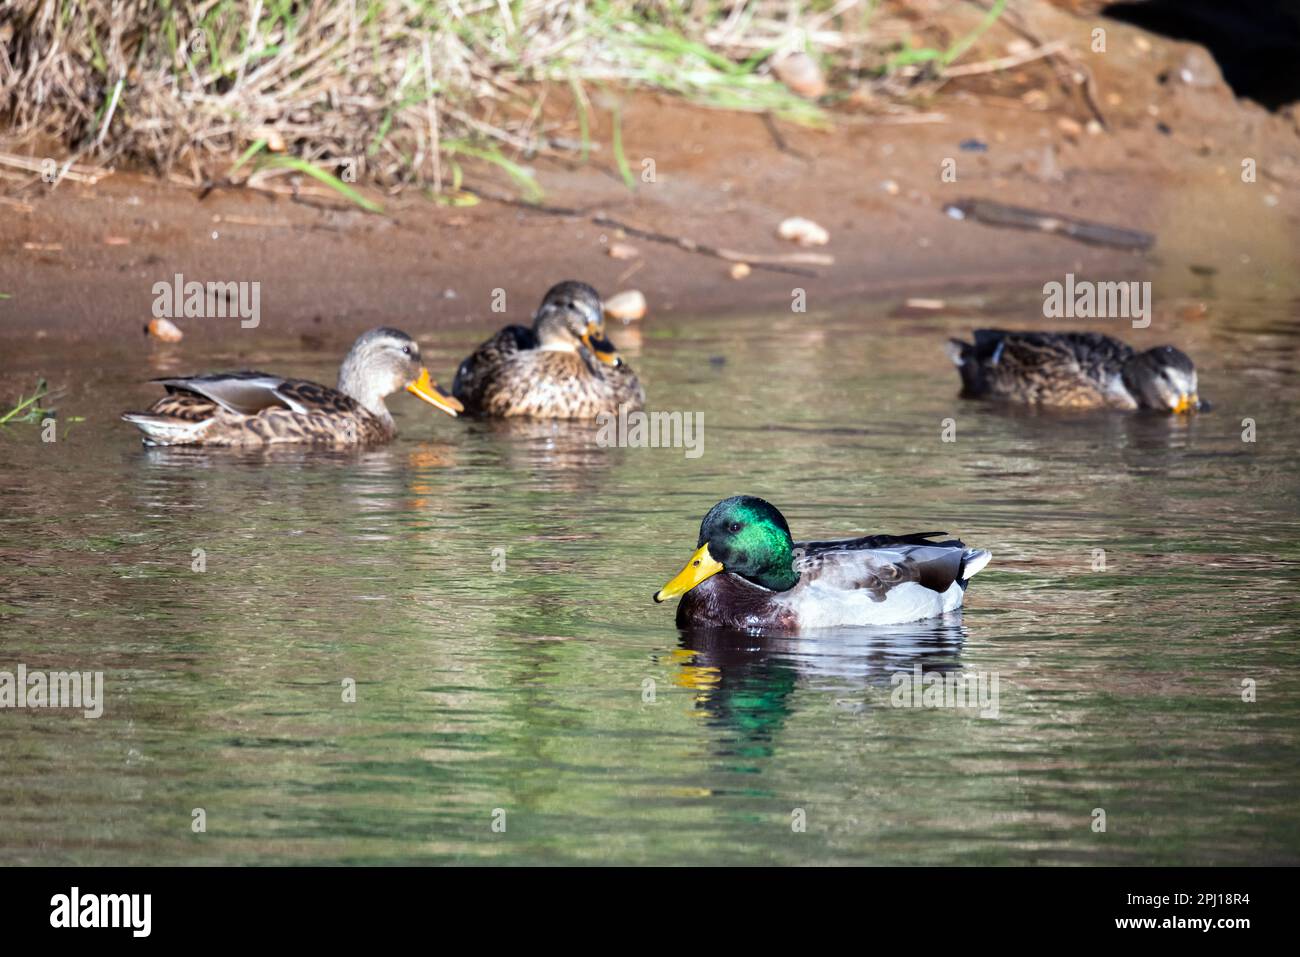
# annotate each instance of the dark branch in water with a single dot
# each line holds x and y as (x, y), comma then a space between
(1018, 217)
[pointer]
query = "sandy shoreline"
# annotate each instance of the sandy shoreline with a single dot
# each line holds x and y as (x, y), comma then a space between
(81, 261)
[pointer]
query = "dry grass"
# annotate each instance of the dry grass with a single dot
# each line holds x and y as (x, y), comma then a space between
(398, 91)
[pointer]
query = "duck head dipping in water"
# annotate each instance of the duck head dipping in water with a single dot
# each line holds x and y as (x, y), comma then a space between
(1079, 370)
(748, 573)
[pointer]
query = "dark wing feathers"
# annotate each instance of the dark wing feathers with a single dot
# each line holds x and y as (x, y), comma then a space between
(509, 375)
(244, 392)
(1058, 368)
(314, 397)
(248, 393)
(479, 368)
(849, 563)
(875, 541)
(936, 568)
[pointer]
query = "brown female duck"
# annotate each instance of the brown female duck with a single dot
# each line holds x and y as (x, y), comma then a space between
(561, 368)
(256, 409)
(1081, 370)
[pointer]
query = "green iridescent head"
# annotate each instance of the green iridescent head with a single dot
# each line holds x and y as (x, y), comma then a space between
(743, 535)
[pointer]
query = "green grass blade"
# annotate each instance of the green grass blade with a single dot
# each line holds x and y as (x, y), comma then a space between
(623, 169)
(329, 179)
(245, 156)
(584, 122)
(964, 44)
(522, 177)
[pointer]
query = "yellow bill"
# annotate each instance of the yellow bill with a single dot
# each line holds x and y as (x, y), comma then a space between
(1187, 403)
(701, 566)
(428, 390)
(601, 347)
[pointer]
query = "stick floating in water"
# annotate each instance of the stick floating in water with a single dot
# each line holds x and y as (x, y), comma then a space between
(1017, 217)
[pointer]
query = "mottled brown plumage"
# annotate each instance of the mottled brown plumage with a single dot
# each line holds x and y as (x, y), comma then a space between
(561, 368)
(1080, 370)
(252, 409)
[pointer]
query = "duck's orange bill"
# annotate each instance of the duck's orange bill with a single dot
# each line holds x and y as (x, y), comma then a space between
(701, 566)
(428, 390)
(1187, 403)
(602, 348)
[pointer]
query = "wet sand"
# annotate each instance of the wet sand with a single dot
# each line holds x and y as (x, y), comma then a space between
(81, 261)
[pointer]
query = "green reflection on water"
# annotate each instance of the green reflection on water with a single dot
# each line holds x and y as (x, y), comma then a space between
(529, 688)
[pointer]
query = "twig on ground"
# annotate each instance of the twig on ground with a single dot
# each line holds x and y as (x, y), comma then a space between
(1005, 62)
(772, 262)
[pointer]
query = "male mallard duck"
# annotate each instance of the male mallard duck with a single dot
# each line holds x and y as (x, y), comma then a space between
(561, 368)
(748, 574)
(254, 408)
(1082, 370)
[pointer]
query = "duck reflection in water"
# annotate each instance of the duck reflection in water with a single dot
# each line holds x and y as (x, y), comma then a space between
(744, 684)
(558, 454)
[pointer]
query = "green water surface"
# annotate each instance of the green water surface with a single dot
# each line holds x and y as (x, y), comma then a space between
(488, 589)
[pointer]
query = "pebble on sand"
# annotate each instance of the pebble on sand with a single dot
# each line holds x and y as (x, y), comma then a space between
(801, 74)
(623, 251)
(803, 231)
(740, 270)
(1072, 128)
(628, 306)
(164, 329)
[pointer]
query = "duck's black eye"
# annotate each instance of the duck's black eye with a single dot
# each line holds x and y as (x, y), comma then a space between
(733, 527)
(406, 350)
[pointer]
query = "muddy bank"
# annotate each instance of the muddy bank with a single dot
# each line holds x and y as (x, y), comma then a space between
(81, 261)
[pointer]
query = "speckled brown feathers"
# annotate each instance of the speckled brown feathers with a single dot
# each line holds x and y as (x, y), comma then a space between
(561, 368)
(1079, 370)
(310, 413)
(543, 384)
(250, 409)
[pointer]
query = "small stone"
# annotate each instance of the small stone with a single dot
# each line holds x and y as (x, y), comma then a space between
(627, 306)
(164, 330)
(803, 231)
(1034, 99)
(801, 73)
(622, 251)
(1198, 69)
(740, 270)
(1072, 128)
